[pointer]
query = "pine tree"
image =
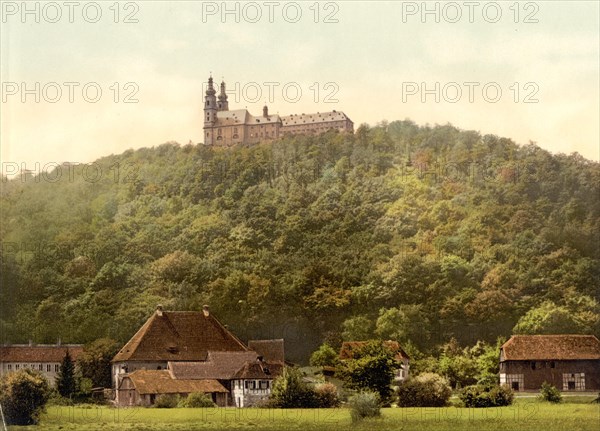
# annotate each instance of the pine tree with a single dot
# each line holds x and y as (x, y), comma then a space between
(65, 380)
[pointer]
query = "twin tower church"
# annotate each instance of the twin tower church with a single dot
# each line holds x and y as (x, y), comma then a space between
(225, 128)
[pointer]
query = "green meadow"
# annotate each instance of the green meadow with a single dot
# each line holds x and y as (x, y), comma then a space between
(526, 414)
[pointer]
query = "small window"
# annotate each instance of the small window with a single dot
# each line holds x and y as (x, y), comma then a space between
(552, 364)
(9, 367)
(48, 367)
(17, 366)
(56, 368)
(533, 365)
(41, 367)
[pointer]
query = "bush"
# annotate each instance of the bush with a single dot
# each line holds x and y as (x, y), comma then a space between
(326, 395)
(166, 401)
(501, 395)
(486, 396)
(23, 395)
(364, 405)
(425, 390)
(289, 391)
(197, 400)
(324, 356)
(550, 393)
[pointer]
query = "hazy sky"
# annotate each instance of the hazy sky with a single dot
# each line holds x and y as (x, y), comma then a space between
(482, 61)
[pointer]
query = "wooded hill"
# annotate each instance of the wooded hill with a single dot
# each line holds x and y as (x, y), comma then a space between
(400, 232)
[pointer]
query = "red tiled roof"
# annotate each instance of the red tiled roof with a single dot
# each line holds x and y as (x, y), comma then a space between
(258, 370)
(39, 353)
(547, 347)
(161, 382)
(349, 347)
(270, 350)
(219, 365)
(179, 336)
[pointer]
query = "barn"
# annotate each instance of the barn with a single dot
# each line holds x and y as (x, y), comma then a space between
(569, 362)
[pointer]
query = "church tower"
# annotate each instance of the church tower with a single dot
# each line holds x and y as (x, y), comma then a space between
(223, 104)
(210, 105)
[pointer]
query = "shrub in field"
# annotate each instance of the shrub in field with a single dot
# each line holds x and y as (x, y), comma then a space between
(550, 393)
(290, 391)
(166, 401)
(196, 400)
(425, 390)
(502, 395)
(326, 395)
(364, 405)
(486, 396)
(23, 395)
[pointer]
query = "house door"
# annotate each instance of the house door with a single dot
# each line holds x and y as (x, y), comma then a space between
(574, 382)
(515, 386)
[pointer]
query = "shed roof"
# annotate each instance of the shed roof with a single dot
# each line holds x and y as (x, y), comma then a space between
(547, 347)
(161, 382)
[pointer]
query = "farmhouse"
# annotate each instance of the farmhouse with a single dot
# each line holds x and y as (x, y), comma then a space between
(569, 362)
(179, 352)
(349, 348)
(45, 358)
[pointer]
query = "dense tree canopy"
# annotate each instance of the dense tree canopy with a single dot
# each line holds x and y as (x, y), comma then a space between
(399, 231)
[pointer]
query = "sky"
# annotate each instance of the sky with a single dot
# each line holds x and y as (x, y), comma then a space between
(82, 80)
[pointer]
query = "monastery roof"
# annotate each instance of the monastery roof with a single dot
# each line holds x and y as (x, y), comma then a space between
(39, 352)
(236, 116)
(161, 382)
(242, 116)
(548, 347)
(319, 117)
(270, 350)
(349, 347)
(179, 336)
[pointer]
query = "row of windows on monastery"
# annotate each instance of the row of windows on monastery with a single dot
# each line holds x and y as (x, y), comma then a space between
(40, 367)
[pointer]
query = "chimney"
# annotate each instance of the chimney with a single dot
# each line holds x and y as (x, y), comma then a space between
(206, 311)
(58, 342)
(30, 343)
(159, 310)
(265, 111)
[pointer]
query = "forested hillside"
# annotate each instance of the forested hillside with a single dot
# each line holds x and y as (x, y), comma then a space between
(398, 232)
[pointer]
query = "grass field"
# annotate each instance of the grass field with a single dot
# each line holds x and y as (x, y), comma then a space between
(525, 414)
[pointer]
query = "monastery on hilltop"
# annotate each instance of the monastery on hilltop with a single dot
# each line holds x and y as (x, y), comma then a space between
(225, 128)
